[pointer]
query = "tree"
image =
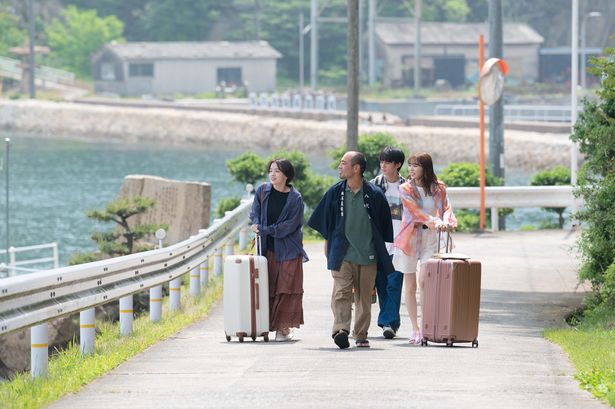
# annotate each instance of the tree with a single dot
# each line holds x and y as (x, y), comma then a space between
(370, 145)
(558, 176)
(124, 238)
(247, 168)
(11, 34)
(78, 34)
(594, 132)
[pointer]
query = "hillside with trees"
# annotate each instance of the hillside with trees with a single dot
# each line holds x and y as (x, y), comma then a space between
(271, 20)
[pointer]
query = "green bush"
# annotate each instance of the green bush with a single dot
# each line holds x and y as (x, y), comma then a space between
(225, 204)
(558, 176)
(247, 168)
(594, 132)
(370, 145)
(464, 174)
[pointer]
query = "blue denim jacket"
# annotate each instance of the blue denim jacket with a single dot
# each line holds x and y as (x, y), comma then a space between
(287, 232)
(328, 220)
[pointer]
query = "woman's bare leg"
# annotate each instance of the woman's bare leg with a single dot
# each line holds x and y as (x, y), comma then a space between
(410, 296)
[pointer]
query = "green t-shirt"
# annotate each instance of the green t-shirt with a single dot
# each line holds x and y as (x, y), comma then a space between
(358, 229)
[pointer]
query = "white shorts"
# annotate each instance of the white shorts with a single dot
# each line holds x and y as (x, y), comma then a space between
(409, 264)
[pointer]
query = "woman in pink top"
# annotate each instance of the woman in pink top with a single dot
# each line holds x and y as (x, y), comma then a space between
(426, 210)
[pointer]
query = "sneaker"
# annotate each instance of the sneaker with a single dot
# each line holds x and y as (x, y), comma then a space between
(341, 339)
(388, 332)
(362, 343)
(280, 336)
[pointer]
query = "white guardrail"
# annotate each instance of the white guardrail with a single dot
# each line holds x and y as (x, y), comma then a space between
(31, 299)
(541, 113)
(497, 197)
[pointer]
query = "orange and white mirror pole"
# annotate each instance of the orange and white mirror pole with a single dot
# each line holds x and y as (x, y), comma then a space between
(481, 62)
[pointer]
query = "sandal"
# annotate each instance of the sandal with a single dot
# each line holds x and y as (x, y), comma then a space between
(416, 338)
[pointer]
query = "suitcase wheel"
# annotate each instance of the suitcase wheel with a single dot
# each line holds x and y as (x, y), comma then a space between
(254, 338)
(240, 339)
(475, 343)
(423, 342)
(228, 338)
(449, 343)
(266, 338)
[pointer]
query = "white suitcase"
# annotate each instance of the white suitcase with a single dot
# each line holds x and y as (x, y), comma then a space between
(246, 297)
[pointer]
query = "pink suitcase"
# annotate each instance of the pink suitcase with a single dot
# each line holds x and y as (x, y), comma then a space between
(450, 299)
(246, 297)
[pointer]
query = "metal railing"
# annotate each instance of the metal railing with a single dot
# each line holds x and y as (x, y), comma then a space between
(11, 68)
(31, 300)
(15, 266)
(540, 113)
(497, 197)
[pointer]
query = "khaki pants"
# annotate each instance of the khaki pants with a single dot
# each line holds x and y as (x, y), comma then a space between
(362, 278)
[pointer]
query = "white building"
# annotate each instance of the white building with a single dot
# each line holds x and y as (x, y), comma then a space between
(183, 67)
(449, 51)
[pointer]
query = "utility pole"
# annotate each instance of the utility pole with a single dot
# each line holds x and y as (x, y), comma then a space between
(574, 82)
(496, 111)
(352, 53)
(32, 61)
(417, 45)
(314, 44)
(301, 48)
(371, 17)
(6, 214)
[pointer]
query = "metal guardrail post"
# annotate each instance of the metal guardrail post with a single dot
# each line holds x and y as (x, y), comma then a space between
(495, 219)
(126, 316)
(204, 279)
(195, 285)
(87, 331)
(229, 247)
(217, 262)
(12, 260)
(175, 294)
(155, 303)
(39, 347)
(243, 238)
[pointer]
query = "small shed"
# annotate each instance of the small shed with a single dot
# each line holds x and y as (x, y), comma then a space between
(163, 68)
(449, 51)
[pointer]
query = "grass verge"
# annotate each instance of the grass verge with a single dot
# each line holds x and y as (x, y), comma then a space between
(69, 371)
(591, 348)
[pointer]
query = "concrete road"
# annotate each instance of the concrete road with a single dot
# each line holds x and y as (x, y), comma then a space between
(529, 284)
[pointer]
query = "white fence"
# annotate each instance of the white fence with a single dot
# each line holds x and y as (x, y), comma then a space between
(540, 113)
(11, 68)
(297, 101)
(31, 300)
(14, 266)
(512, 197)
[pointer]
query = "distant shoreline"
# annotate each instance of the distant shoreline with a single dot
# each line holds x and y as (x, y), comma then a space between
(164, 126)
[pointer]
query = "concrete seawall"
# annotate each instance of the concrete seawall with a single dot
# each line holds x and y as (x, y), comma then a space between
(527, 150)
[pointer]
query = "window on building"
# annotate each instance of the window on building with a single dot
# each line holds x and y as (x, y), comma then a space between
(141, 70)
(107, 71)
(230, 76)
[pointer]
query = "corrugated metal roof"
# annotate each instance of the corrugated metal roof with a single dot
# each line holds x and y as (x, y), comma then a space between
(435, 33)
(193, 50)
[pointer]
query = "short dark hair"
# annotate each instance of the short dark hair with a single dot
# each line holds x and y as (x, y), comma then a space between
(285, 167)
(393, 155)
(358, 159)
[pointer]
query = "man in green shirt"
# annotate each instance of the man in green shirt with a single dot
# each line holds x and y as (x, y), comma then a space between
(355, 219)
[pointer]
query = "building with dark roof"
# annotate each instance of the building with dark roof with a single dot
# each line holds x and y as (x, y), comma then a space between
(449, 51)
(167, 68)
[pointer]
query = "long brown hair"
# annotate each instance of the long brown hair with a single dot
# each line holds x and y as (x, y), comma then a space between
(429, 178)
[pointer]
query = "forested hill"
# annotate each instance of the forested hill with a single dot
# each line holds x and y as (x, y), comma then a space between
(275, 21)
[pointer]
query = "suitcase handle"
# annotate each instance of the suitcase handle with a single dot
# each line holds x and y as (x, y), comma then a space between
(259, 247)
(449, 247)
